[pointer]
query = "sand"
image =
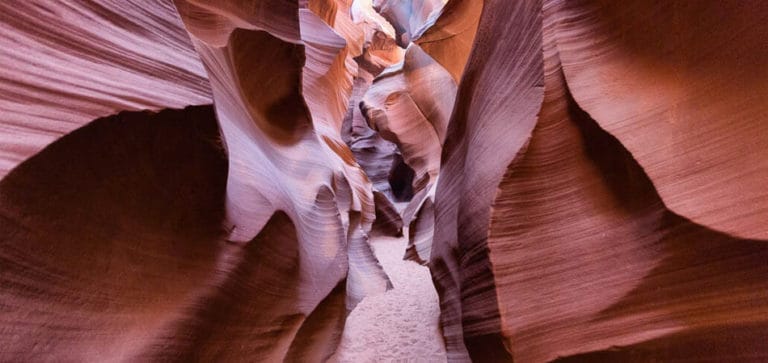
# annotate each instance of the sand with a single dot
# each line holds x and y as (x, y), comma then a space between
(401, 324)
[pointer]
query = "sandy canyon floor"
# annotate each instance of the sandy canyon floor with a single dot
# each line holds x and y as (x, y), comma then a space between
(401, 324)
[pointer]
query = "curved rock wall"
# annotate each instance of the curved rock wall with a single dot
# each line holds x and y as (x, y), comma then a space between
(577, 235)
(281, 124)
(65, 64)
(103, 245)
(585, 179)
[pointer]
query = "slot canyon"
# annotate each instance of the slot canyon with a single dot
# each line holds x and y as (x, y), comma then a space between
(383, 181)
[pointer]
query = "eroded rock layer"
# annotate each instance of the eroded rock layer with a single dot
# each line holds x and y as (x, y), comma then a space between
(582, 240)
(63, 64)
(281, 124)
(586, 180)
(484, 136)
(691, 83)
(151, 247)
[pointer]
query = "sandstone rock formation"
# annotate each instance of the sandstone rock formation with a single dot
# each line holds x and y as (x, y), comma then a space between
(702, 86)
(591, 246)
(297, 208)
(67, 63)
(586, 180)
(102, 244)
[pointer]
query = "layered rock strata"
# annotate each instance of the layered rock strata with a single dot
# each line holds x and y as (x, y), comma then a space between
(585, 180)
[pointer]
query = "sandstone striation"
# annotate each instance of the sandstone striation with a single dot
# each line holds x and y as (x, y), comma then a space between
(582, 251)
(575, 180)
(102, 245)
(65, 64)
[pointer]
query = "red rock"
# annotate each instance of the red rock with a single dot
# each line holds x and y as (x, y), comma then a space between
(409, 105)
(102, 245)
(449, 41)
(484, 136)
(63, 65)
(586, 180)
(677, 92)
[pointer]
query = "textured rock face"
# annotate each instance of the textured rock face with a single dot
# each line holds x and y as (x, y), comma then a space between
(102, 245)
(701, 88)
(67, 63)
(281, 123)
(408, 105)
(585, 180)
(582, 237)
(295, 210)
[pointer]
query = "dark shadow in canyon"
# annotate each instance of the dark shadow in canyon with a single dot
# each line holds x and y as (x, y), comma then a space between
(105, 232)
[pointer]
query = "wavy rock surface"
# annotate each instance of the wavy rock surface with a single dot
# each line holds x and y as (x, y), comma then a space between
(585, 180)
(482, 128)
(578, 254)
(694, 75)
(289, 175)
(388, 220)
(152, 247)
(63, 64)
(421, 231)
(281, 124)
(624, 268)
(376, 156)
(408, 104)
(447, 43)
(450, 39)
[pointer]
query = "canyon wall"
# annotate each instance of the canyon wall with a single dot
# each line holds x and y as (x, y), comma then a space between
(601, 182)
(585, 179)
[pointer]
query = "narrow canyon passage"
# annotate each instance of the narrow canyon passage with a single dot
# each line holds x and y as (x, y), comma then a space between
(400, 324)
(383, 180)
